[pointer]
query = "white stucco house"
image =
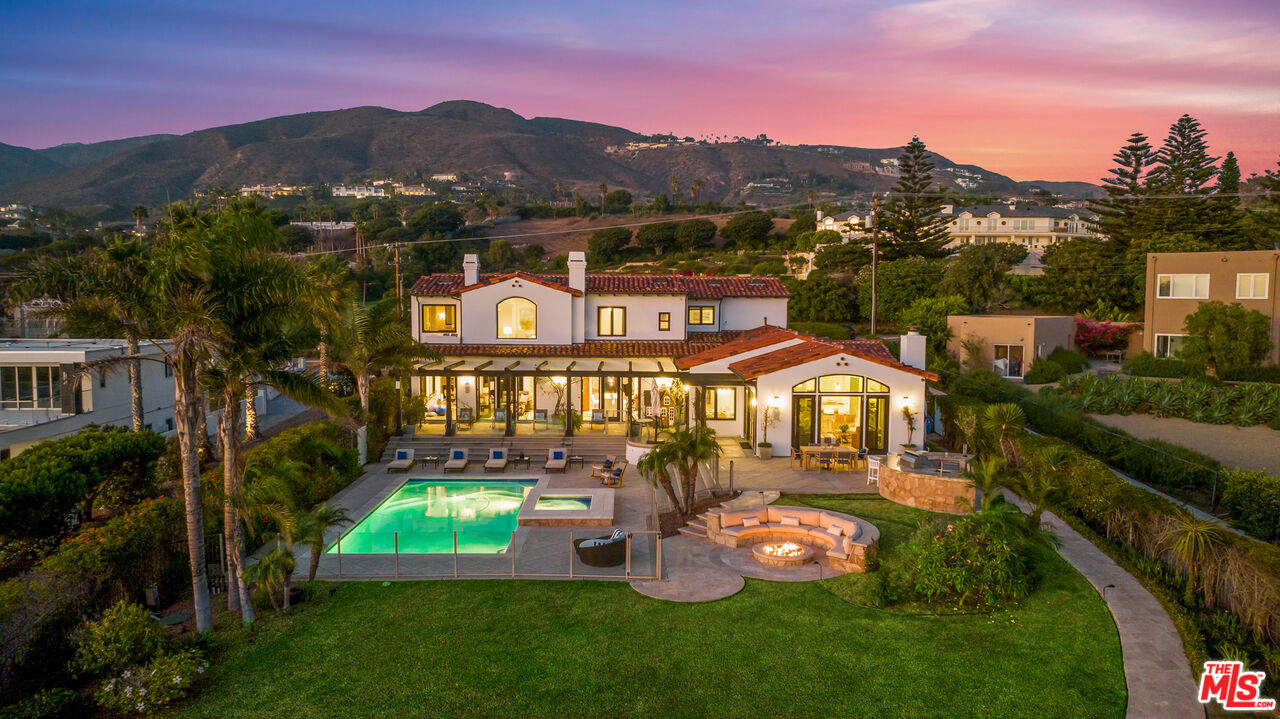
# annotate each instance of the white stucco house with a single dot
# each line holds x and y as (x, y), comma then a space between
(40, 398)
(848, 224)
(632, 354)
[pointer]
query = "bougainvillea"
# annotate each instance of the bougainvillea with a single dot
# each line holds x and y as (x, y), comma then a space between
(1097, 338)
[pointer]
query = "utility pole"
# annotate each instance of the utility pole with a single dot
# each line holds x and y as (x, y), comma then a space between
(875, 255)
(399, 282)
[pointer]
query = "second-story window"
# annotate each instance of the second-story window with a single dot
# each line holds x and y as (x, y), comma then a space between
(664, 321)
(439, 318)
(1251, 286)
(612, 321)
(702, 315)
(1188, 287)
(517, 319)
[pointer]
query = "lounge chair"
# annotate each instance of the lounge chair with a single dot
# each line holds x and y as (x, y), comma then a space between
(615, 477)
(457, 460)
(497, 460)
(403, 461)
(602, 470)
(598, 420)
(556, 459)
(607, 551)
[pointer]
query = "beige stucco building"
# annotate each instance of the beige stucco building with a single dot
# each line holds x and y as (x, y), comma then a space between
(1177, 282)
(1010, 343)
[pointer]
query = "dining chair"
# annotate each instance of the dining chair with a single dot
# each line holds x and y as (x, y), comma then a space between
(843, 459)
(797, 454)
(825, 459)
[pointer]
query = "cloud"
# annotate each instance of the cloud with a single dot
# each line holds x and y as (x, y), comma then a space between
(938, 24)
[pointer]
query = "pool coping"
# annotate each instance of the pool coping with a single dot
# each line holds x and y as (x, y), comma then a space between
(519, 533)
(599, 514)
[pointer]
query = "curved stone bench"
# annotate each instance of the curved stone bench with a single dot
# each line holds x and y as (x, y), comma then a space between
(849, 541)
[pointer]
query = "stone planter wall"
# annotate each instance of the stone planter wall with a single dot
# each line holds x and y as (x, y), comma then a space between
(926, 491)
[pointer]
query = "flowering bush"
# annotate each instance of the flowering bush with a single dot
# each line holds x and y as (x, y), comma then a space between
(146, 690)
(971, 560)
(124, 636)
(1096, 337)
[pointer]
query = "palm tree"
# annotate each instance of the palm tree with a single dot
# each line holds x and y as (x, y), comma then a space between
(139, 214)
(368, 340)
(656, 466)
(689, 448)
(675, 189)
(698, 184)
(987, 477)
(604, 190)
(312, 527)
(103, 294)
(1195, 543)
(273, 572)
(1004, 422)
(332, 289)
(267, 496)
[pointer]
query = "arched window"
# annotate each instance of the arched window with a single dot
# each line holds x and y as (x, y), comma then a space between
(517, 319)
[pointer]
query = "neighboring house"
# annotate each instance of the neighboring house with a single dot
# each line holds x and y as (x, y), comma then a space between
(848, 224)
(628, 354)
(40, 398)
(1010, 343)
(358, 191)
(1177, 282)
(1034, 227)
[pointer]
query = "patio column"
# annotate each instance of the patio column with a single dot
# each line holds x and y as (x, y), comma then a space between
(700, 405)
(510, 405)
(568, 407)
(450, 386)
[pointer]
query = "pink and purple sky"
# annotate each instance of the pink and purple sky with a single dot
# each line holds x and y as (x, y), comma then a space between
(1035, 89)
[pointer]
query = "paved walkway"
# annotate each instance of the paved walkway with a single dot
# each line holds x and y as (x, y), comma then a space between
(1256, 447)
(1155, 665)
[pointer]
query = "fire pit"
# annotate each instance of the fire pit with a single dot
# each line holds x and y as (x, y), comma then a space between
(781, 554)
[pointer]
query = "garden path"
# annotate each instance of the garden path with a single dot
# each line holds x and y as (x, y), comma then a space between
(1256, 447)
(1155, 665)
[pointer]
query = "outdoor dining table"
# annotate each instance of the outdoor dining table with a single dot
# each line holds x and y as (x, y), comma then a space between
(811, 451)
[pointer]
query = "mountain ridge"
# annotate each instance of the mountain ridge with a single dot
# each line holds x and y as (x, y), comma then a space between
(451, 136)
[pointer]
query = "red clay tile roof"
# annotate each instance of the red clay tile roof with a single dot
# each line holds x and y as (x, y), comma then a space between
(813, 349)
(697, 288)
(749, 340)
(594, 348)
(495, 279)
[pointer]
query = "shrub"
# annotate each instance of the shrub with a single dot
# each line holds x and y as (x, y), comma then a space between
(1269, 373)
(146, 690)
(971, 560)
(1044, 371)
(48, 704)
(929, 315)
(1072, 362)
(1148, 365)
(125, 636)
(1252, 500)
(1223, 336)
(1097, 338)
(830, 330)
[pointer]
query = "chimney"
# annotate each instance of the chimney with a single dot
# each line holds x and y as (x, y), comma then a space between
(818, 217)
(578, 271)
(470, 270)
(911, 348)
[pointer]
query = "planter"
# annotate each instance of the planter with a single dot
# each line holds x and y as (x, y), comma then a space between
(764, 451)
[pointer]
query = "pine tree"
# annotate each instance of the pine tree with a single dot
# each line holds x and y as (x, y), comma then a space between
(1121, 215)
(1262, 219)
(912, 218)
(1184, 170)
(1228, 231)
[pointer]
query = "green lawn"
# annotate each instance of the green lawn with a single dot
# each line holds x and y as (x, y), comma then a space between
(586, 649)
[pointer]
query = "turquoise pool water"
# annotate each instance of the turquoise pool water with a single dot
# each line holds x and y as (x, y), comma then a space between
(426, 513)
(576, 502)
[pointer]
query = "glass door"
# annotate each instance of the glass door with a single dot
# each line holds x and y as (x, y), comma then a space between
(877, 437)
(610, 400)
(802, 416)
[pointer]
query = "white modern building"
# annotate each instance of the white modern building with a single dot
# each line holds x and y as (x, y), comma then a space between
(1035, 227)
(631, 354)
(358, 191)
(41, 397)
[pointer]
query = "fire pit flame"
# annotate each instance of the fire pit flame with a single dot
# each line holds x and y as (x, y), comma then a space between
(786, 549)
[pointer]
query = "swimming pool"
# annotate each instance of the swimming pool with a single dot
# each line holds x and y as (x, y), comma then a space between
(426, 513)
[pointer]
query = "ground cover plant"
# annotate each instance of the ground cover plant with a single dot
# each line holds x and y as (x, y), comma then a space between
(1195, 399)
(529, 649)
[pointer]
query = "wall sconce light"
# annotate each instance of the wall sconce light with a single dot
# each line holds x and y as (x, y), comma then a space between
(465, 381)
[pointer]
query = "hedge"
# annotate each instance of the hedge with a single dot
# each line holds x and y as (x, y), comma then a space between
(1171, 467)
(1269, 373)
(1044, 371)
(1070, 360)
(1252, 501)
(1148, 365)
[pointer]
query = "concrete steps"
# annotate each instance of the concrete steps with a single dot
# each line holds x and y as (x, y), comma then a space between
(696, 533)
